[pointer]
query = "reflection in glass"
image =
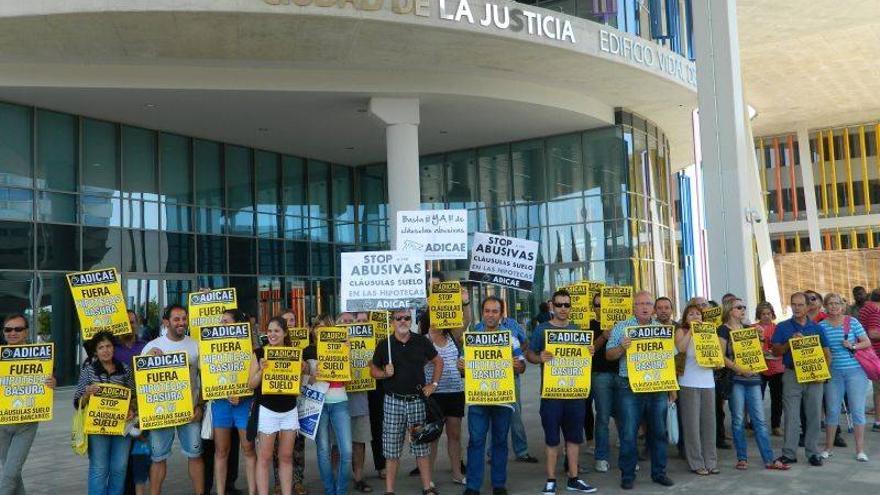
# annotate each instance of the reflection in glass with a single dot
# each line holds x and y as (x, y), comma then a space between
(494, 173)
(209, 173)
(56, 207)
(176, 168)
(431, 181)
(100, 248)
(293, 170)
(296, 258)
(564, 166)
(56, 151)
(343, 193)
(57, 247)
(16, 250)
(239, 178)
(176, 217)
(176, 253)
(139, 162)
(56, 321)
(16, 204)
(527, 163)
(271, 257)
(211, 251)
(242, 255)
(101, 211)
(16, 150)
(319, 189)
(100, 167)
(15, 293)
(461, 179)
(268, 173)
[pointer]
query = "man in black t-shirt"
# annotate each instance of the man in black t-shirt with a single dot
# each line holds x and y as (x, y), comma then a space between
(403, 378)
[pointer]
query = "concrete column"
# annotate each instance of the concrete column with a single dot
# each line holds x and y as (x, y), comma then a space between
(725, 147)
(808, 180)
(401, 116)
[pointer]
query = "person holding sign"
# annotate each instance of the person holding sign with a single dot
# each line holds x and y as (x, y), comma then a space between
(276, 414)
(560, 414)
(794, 393)
(16, 438)
(845, 336)
(108, 453)
(632, 408)
(746, 390)
(299, 444)
(399, 361)
(697, 396)
(765, 316)
(189, 434)
(496, 419)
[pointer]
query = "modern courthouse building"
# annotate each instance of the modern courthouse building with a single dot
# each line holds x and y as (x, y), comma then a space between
(246, 143)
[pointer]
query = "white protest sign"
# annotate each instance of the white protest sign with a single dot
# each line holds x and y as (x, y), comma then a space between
(507, 261)
(439, 234)
(382, 280)
(311, 403)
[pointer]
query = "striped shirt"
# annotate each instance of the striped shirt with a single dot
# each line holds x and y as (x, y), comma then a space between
(869, 317)
(450, 380)
(841, 357)
(93, 372)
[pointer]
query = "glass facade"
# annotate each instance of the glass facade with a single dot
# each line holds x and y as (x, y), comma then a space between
(176, 213)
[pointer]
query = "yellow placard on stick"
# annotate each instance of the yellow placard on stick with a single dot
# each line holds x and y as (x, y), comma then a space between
(707, 348)
(99, 302)
(713, 316)
(362, 340)
(225, 353)
(488, 368)
(581, 304)
(299, 337)
(334, 358)
(207, 307)
(616, 304)
(809, 359)
(445, 305)
(650, 359)
(24, 396)
(747, 349)
(107, 410)
(282, 375)
(164, 390)
(381, 321)
(567, 376)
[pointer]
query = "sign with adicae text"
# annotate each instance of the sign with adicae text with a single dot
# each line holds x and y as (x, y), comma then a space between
(362, 340)
(650, 359)
(809, 359)
(616, 305)
(438, 234)
(283, 371)
(488, 368)
(568, 374)
(707, 348)
(225, 359)
(445, 307)
(582, 294)
(334, 356)
(207, 308)
(99, 302)
(381, 320)
(505, 261)
(382, 280)
(747, 349)
(107, 410)
(713, 316)
(24, 396)
(299, 337)
(164, 390)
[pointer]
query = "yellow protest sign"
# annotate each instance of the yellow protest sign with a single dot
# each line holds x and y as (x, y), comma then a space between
(207, 307)
(24, 396)
(334, 359)
(225, 353)
(99, 302)
(164, 390)
(567, 376)
(107, 410)
(362, 340)
(381, 321)
(809, 359)
(445, 305)
(581, 304)
(616, 304)
(282, 375)
(747, 349)
(299, 337)
(488, 368)
(713, 316)
(650, 359)
(707, 348)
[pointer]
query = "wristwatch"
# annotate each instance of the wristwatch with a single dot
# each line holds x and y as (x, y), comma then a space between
(435, 384)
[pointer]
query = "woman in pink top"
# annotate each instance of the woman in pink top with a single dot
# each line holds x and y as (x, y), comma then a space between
(765, 315)
(869, 317)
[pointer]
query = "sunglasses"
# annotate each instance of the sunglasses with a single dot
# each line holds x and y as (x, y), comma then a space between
(813, 298)
(562, 305)
(14, 329)
(739, 307)
(403, 318)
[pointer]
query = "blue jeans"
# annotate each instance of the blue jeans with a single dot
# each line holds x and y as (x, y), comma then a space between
(108, 461)
(604, 395)
(742, 397)
(336, 416)
(854, 383)
(517, 429)
(631, 409)
(480, 420)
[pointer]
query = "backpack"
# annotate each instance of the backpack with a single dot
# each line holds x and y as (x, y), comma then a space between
(866, 357)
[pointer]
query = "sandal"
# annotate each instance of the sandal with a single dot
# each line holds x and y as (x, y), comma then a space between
(778, 466)
(701, 472)
(742, 465)
(362, 487)
(429, 491)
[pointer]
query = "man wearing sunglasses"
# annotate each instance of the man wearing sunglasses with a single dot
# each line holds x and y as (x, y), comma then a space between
(403, 378)
(565, 414)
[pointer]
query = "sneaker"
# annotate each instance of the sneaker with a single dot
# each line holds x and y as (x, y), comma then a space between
(578, 485)
(862, 457)
(626, 484)
(786, 460)
(498, 490)
(815, 461)
(876, 427)
(549, 488)
(663, 480)
(601, 466)
(825, 454)
(527, 459)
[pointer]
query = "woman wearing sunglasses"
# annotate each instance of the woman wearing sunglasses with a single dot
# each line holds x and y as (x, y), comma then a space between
(16, 439)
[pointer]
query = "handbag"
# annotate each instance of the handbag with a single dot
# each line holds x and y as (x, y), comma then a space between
(867, 358)
(79, 441)
(434, 421)
(672, 423)
(208, 422)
